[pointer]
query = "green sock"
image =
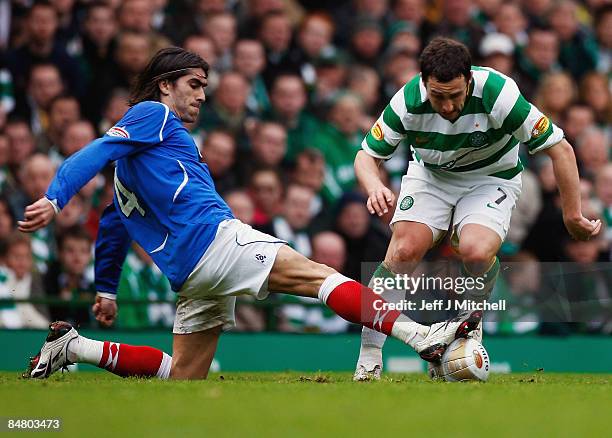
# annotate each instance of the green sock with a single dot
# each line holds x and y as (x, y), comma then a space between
(488, 278)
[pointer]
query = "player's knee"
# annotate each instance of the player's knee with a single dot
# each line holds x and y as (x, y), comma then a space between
(475, 254)
(405, 252)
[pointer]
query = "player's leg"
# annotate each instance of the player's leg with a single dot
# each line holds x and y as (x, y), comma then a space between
(294, 274)
(193, 353)
(409, 243)
(64, 346)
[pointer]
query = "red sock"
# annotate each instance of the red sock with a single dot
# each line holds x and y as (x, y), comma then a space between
(130, 360)
(357, 303)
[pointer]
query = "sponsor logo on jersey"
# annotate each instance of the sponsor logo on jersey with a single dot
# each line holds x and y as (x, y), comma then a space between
(478, 139)
(540, 127)
(421, 140)
(477, 358)
(406, 203)
(377, 132)
(118, 131)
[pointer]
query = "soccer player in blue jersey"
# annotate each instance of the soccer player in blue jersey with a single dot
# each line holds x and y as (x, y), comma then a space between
(166, 201)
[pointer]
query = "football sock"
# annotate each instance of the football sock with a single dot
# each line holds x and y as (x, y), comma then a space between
(372, 342)
(356, 303)
(488, 278)
(121, 359)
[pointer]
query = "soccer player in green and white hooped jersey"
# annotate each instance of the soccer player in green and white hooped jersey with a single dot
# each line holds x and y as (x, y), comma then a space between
(464, 124)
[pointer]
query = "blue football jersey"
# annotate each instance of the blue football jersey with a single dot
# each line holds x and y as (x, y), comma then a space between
(164, 196)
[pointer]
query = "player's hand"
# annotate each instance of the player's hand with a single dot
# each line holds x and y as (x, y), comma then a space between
(105, 311)
(582, 228)
(36, 216)
(379, 200)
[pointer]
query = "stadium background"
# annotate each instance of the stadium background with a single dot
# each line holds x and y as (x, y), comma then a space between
(293, 88)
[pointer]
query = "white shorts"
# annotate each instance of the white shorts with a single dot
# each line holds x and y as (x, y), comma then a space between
(437, 201)
(237, 262)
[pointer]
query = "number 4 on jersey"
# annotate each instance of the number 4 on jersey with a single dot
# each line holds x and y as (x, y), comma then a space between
(131, 201)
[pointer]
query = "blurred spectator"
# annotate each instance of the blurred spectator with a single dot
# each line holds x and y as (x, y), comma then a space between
(228, 109)
(114, 109)
(7, 181)
(366, 40)
(137, 16)
(339, 140)
(242, 205)
(288, 100)
(221, 29)
(219, 153)
(399, 68)
(413, 11)
(595, 92)
(309, 171)
(497, 52)
(45, 83)
(365, 83)
(7, 219)
(555, 93)
(511, 22)
(24, 282)
(593, 151)
(266, 189)
(268, 148)
(364, 241)
(578, 117)
(63, 110)
(35, 175)
(142, 280)
(458, 23)
(275, 31)
(68, 26)
(70, 278)
(7, 98)
(74, 138)
(536, 11)
(98, 46)
(41, 47)
(578, 48)
(525, 213)
(603, 28)
(250, 60)
(21, 143)
(540, 56)
(131, 57)
(314, 39)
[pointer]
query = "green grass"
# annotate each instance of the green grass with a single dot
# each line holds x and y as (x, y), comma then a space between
(327, 404)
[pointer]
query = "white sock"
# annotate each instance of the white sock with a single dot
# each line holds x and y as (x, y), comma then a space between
(331, 283)
(370, 353)
(164, 368)
(85, 350)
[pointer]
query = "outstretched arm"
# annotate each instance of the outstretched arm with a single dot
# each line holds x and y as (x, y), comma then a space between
(112, 245)
(566, 173)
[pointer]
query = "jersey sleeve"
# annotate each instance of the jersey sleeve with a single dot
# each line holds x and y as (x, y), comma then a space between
(112, 245)
(141, 127)
(524, 120)
(382, 139)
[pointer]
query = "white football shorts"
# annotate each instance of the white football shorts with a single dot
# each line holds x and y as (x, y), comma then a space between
(437, 201)
(237, 262)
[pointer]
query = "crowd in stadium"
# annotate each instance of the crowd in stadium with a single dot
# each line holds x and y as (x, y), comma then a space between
(293, 88)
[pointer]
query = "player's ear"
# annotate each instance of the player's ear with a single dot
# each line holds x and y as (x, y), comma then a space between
(164, 87)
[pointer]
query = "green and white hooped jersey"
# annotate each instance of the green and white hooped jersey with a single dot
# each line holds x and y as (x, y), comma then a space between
(483, 141)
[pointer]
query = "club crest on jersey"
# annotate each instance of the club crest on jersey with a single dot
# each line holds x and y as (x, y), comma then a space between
(478, 139)
(377, 132)
(540, 127)
(118, 131)
(406, 203)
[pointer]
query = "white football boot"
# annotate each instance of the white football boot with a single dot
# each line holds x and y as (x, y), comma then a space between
(364, 374)
(477, 333)
(441, 334)
(54, 353)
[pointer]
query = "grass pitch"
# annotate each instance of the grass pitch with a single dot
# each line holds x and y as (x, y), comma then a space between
(326, 404)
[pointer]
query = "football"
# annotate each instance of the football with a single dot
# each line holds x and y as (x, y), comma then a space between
(463, 360)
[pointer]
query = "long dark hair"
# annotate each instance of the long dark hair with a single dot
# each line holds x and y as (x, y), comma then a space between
(168, 64)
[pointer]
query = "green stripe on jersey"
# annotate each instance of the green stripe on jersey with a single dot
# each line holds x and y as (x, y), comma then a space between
(392, 120)
(491, 91)
(380, 147)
